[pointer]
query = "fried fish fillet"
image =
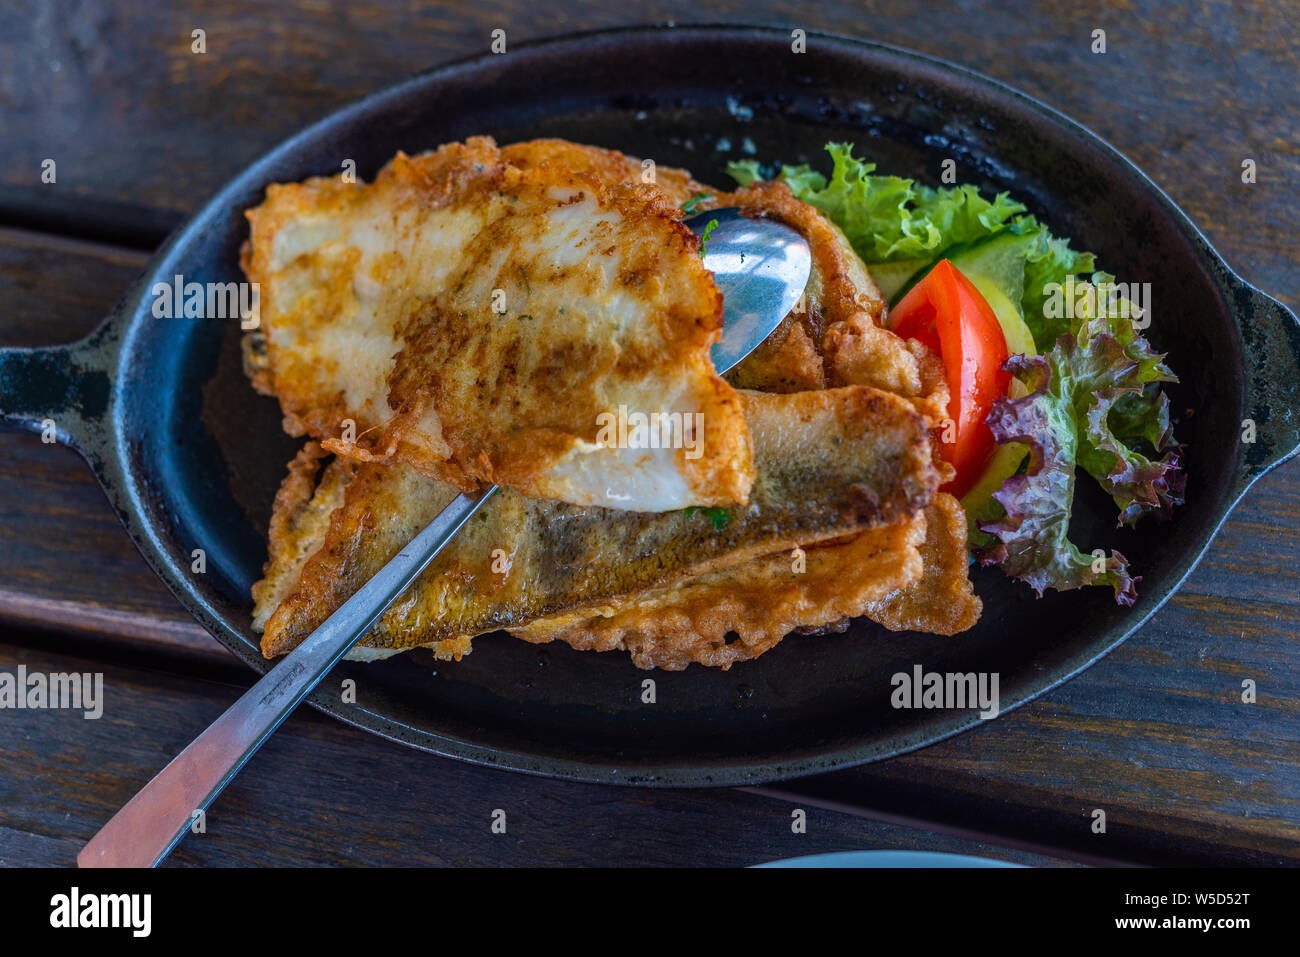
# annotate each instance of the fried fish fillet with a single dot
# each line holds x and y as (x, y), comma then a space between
(836, 335)
(737, 613)
(831, 464)
(482, 320)
(906, 575)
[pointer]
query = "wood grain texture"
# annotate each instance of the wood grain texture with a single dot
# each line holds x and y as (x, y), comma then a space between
(143, 131)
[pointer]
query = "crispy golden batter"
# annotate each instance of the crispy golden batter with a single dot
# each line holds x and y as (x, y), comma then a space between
(942, 601)
(476, 320)
(830, 464)
(608, 167)
(836, 336)
(862, 353)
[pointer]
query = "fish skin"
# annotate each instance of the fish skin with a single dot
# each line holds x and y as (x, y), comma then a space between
(830, 464)
(740, 612)
(910, 575)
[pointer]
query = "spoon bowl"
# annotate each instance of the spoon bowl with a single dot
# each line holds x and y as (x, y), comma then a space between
(761, 266)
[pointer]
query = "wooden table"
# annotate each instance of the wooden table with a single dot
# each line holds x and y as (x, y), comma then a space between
(142, 131)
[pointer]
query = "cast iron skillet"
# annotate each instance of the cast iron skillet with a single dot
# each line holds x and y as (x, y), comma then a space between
(190, 457)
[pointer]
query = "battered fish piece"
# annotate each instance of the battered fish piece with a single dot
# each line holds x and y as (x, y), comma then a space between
(836, 335)
(486, 322)
(831, 464)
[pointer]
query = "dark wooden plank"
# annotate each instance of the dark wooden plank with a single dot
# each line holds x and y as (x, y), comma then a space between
(143, 130)
(372, 802)
(56, 290)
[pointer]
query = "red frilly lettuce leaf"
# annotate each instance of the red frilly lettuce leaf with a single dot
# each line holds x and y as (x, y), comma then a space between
(1070, 390)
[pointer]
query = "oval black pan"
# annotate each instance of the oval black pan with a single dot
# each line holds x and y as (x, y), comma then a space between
(190, 457)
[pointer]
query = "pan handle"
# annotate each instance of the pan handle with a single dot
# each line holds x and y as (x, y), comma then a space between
(1270, 338)
(61, 391)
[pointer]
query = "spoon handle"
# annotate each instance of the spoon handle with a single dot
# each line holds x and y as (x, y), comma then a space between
(153, 822)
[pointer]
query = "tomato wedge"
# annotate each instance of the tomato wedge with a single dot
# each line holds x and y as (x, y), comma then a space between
(946, 312)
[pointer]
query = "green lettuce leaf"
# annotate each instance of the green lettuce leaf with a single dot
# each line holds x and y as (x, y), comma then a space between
(889, 218)
(1049, 263)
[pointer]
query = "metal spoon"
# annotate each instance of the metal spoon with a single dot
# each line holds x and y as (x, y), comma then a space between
(760, 266)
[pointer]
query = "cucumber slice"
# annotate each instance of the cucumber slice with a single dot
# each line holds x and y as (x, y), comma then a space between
(978, 503)
(893, 278)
